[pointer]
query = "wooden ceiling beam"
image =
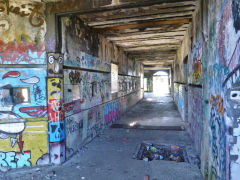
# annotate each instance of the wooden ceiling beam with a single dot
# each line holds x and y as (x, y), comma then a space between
(123, 20)
(180, 34)
(166, 18)
(143, 25)
(160, 29)
(137, 11)
(151, 48)
(164, 42)
(143, 39)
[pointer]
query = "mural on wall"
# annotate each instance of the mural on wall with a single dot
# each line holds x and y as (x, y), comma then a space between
(128, 84)
(56, 124)
(88, 89)
(56, 118)
(224, 79)
(93, 122)
(195, 116)
(87, 61)
(180, 99)
(111, 112)
(74, 132)
(21, 41)
(27, 10)
(22, 98)
(218, 135)
(195, 69)
(55, 65)
(84, 45)
(223, 66)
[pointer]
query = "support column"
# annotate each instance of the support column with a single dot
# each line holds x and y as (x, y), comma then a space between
(56, 122)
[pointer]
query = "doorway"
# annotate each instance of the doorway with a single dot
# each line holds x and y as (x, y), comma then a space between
(161, 83)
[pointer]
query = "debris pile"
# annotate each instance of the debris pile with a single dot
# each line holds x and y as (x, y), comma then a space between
(149, 152)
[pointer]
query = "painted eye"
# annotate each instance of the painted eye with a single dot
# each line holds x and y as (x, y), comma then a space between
(51, 59)
(60, 59)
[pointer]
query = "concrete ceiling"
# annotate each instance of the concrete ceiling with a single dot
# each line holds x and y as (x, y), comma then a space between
(148, 31)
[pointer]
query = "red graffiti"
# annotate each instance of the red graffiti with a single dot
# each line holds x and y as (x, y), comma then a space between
(16, 53)
(39, 111)
(55, 110)
(20, 143)
(12, 74)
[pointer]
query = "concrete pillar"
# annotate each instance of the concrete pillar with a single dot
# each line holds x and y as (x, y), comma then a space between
(56, 122)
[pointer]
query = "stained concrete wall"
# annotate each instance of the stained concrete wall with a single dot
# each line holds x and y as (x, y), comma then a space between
(223, 62)
(213, 88)
(89, 104)
(56, 93)
(23, 97)
(180, 90)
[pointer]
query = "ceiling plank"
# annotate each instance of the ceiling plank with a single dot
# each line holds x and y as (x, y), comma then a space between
(188, 15)
(162, 28)
(174, 35)
(143, 25)
(137, 11)
(152, 48)
(140, 17)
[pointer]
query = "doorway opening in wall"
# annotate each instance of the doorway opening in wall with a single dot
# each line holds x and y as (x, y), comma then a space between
(145, 85)
(161, 83)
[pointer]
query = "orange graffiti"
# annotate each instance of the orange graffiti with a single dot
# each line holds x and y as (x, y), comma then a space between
(197, 68)
(217, 102)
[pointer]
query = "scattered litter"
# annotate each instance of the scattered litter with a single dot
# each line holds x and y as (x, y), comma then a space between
(78, 167)
(149, 152)
(82, 177)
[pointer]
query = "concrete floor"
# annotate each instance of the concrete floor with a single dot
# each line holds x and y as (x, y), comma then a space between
(109, 156)
(153, 112)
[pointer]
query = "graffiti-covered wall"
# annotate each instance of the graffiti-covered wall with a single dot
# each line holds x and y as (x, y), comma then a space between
(90, 103)
(214, 86)
(224, 79)
(23, 98)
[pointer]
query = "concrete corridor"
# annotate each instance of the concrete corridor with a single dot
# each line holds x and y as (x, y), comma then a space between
(110, 155)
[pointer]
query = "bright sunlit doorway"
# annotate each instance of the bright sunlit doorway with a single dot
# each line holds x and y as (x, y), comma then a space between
(161, 83)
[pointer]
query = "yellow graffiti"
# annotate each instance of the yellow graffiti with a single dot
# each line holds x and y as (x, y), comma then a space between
(34, 139)
(55, 88)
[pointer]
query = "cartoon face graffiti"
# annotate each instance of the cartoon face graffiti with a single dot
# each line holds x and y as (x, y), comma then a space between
(55, 64)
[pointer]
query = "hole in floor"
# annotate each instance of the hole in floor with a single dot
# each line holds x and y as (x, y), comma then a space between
(149, 152)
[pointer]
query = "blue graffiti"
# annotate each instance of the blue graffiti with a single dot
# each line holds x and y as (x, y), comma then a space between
(56, 131)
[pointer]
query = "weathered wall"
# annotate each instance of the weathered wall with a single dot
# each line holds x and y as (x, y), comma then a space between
(89, 104)
(213, 91)
(56, 91)
(180, 90)
(223, 82)
(23, 98)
